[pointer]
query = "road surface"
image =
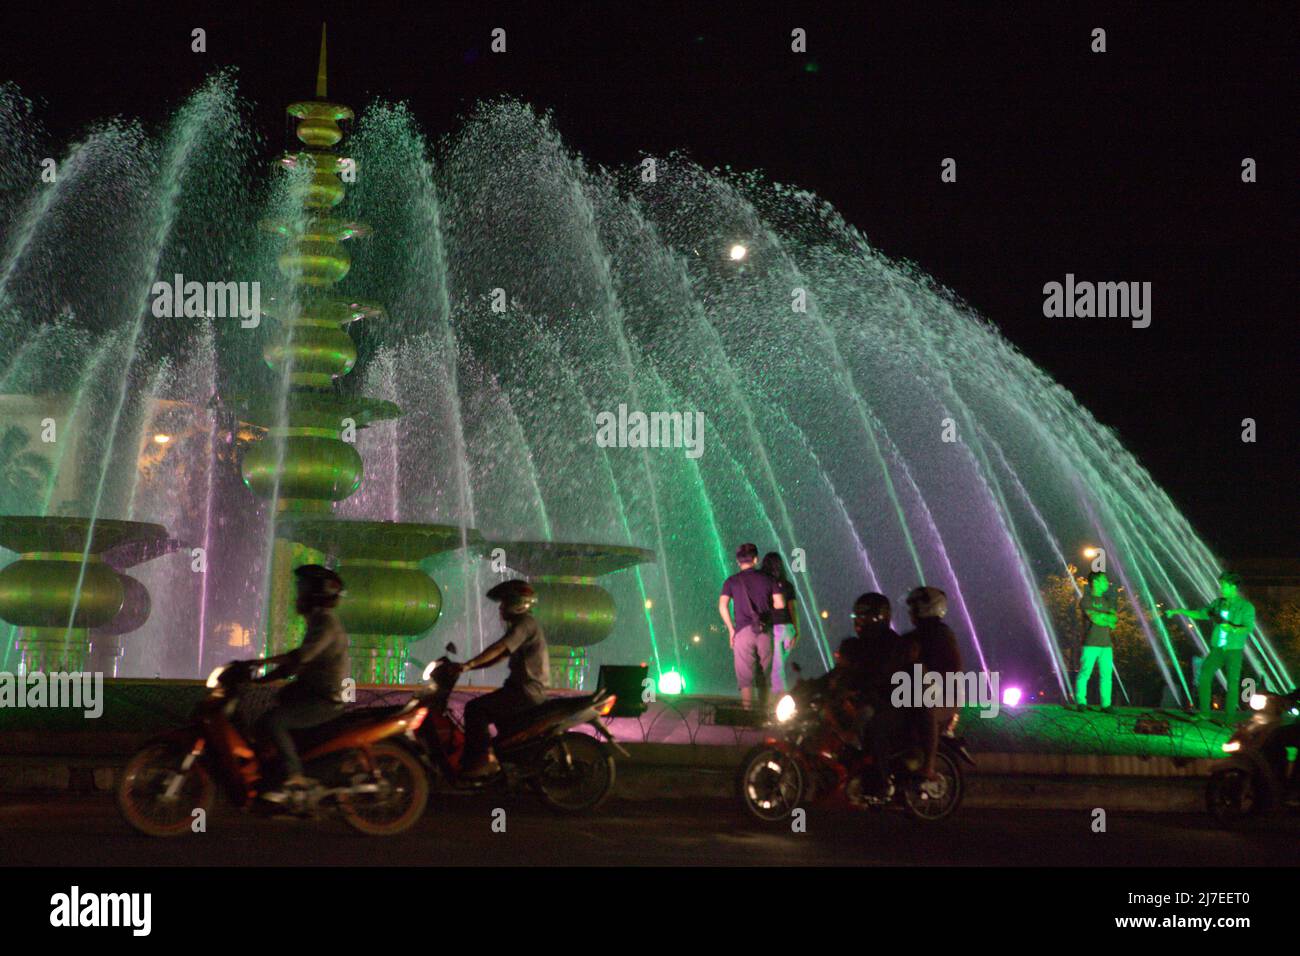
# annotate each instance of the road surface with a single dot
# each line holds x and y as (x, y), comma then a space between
(85, 830)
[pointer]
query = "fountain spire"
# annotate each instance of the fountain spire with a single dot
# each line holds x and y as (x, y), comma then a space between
(320, 68)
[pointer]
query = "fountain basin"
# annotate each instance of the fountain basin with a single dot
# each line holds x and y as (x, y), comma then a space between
(388, 601)
(62, 585)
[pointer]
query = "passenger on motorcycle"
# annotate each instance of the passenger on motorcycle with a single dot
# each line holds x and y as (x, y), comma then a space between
(525, 686)
(937, 652)
(879, 653)
(318, 667)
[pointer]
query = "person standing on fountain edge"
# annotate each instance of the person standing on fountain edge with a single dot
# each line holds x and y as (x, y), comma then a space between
(1234, 618)
(319, 667)
(1100, 609)
(785, 622)
(754, 594)
(525, 686)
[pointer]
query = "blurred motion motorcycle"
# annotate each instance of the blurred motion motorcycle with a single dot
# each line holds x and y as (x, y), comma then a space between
(1260, 774)
(365, 764)
(807, 759)
(570, 772)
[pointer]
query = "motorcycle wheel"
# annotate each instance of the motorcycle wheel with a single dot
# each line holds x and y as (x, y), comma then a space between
(770, 783)
(576, 774)
(935, 800)
(142, 791)
(1233, 797)
(403, 795)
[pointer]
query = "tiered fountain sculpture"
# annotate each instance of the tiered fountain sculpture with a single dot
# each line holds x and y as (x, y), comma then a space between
(307, 461)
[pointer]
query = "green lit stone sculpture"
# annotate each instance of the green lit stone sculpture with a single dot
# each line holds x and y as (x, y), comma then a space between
(61, 586)
(306, 463)
(306, 459)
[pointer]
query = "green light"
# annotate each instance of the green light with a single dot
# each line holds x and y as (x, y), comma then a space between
(671, 683)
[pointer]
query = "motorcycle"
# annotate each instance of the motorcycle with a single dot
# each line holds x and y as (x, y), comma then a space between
(570, 772)
(808, 760)
(364, 762)
(1258, 778)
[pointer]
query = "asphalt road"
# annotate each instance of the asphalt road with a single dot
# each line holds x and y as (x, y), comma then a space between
(86, 831)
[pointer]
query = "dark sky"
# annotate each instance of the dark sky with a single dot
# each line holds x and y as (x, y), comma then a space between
(1123, 166)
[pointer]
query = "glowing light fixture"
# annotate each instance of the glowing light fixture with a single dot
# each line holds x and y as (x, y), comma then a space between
(1011, 696)
(785, 708)
(161, 439)
(671, 683)
(738, 252)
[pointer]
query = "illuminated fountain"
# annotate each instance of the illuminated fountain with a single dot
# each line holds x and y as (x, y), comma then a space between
(858, 418)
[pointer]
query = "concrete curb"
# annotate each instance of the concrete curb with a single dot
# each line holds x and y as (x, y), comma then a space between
(673, 772)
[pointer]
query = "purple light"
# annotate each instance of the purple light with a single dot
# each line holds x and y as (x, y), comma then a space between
(1011, 696)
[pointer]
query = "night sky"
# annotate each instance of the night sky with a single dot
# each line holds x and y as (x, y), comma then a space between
(1123, 166)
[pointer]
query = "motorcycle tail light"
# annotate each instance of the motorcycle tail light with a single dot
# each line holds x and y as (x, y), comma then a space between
(417, 719)
(604, 709)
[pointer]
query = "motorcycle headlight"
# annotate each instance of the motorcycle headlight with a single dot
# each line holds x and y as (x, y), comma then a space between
(785, 709)
(1232, 746)
(215, 677)
(1258, 701)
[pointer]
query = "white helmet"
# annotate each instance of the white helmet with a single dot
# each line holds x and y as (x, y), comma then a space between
(927, 602)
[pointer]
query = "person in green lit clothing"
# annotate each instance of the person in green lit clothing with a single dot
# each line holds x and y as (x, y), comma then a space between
(1101, 610)
(1234, 619)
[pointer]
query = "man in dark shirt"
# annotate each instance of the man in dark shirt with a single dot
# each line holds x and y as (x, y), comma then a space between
(525, 686)
(320, 666)
(754, 594)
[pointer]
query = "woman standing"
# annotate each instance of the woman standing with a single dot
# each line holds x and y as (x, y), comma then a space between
(785, 621)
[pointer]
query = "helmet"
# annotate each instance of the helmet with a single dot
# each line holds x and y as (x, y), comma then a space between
(515, 596)
(927, 602)
(322, 586)
(871, 608)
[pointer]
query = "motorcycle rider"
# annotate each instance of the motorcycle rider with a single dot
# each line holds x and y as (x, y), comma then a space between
(525, 686)
(318, 667)
(880, 653)
(937, 652)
